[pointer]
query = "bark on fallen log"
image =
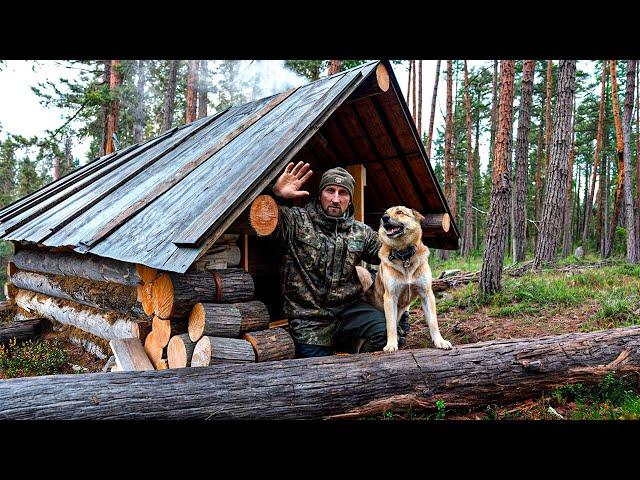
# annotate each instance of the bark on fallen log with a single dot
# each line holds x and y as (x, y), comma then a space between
(103, 295)
(493, 372)
(76, 265)
(107, 325)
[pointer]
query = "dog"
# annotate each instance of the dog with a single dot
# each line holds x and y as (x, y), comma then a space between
(403, 275)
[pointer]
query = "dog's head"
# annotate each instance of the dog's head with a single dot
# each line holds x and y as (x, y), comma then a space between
(400, 227)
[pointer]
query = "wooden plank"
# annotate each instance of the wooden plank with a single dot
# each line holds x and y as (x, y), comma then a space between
(184, 171)
(130, 355)
(42, 206)
(245, 252)
(359, 173)
(70, 216)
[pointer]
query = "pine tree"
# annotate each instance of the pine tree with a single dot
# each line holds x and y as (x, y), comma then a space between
(519, 205)
(619, 156)
(556, 185)
(433, 111)
(139, 123)
(632, 241)
(169, 99)
(498, 216)
(467, 237)
(448, 138)
(566, 231)
(191, 94)
(203, 88)
(589, 200)
(420, 98)
(7, 171)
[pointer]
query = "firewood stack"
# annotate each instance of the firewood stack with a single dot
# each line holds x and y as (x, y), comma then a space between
(206, 315)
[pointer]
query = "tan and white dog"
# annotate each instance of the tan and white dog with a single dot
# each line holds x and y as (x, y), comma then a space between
(403, 275)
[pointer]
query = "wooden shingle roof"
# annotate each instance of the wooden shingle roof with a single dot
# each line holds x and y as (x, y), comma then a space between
(161, 203)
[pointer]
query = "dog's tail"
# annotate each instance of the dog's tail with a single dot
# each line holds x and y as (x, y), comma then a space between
(365, 278)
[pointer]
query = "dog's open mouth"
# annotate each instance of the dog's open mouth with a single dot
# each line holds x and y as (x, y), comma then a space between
(393, 231)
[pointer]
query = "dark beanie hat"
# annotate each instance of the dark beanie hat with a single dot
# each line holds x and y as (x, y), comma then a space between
(338, 176)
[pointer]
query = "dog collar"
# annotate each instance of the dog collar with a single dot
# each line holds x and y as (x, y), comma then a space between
(403, 255)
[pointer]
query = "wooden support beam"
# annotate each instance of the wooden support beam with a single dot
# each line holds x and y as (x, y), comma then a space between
(477, 374)
(359, 173)
(130, 355)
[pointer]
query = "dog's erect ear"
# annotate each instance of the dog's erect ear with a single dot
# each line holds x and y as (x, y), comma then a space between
(418, 215)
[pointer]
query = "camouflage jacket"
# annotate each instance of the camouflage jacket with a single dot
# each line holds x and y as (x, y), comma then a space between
(318, 271)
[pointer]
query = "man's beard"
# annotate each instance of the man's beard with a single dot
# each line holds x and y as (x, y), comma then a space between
(333, 212)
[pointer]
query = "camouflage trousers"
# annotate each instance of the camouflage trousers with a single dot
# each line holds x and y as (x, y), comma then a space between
(358, 321)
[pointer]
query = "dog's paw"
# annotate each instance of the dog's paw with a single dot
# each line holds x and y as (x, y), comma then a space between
(442, 343)
(392, 347)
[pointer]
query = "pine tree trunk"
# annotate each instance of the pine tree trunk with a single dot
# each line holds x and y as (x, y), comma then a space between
(114, 108)
(203, 89)
(334, 66)
(494, 112)
(191, 94)
(104, 109)
(619, 155)
(433, 111)
(519, 241)
(498, 216)
(415, 98)
(632, 252)
(638, 161)
(56, 167)
(420, 99)
(167, 108)
(548, 114)
(409, 84)
(538, 185)
(468, 213)
(138, 130)
(556, 188)
(448, 173)
(587, 213)
(68, 155)
(566, 236)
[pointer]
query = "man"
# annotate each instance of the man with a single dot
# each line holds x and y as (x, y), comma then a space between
(323, 243)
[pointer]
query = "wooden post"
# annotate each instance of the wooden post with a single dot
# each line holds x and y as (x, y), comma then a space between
(359, 173)
(130, 356)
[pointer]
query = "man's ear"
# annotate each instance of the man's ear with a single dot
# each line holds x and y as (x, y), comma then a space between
(418, 215)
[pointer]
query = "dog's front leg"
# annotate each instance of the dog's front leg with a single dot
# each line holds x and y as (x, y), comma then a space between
(429, 309)
(391, 313)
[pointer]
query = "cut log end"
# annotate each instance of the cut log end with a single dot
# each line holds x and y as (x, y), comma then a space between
(145, 297)
(161, 330)
(382, 76)
(180, 351)
(162, 295)
(196, 322)
(263, 215)
(202, 353)
(152, 349)
(147, 274)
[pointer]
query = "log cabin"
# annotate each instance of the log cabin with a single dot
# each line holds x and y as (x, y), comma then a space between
(166, 241)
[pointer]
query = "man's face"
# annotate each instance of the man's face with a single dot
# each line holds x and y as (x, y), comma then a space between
(334, 200)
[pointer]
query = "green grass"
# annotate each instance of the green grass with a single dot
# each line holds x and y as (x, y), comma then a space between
(614, 398)
(32, 358)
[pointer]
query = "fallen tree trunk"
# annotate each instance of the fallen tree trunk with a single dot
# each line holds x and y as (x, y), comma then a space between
(104, 295)
(495, 372)
(76, 265)
(107, 325)
(23, 330)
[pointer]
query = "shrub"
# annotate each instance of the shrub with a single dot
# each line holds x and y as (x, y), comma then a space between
(31, 359)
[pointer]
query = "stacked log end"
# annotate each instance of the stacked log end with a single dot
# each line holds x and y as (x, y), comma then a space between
(180, 351)
(271, 344)
(215, 350)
